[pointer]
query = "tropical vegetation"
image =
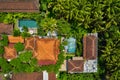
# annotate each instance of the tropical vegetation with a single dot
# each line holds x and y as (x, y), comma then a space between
(19, 47)
(76, 18)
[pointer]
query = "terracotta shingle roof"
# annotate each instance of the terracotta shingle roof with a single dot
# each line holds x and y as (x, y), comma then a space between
(46, 51)
(13, 39)
(6, 28)
(52, 76)
(90, 47)
(19, 5)
(30, 43)
(75, 66)
(10, 53)
(32, 76)
(28, 76)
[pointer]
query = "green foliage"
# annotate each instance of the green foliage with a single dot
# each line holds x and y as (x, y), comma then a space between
(44, 5)
(60, 61)
(78, 32)
(111, 52)
(25, 29)
(48, 24)
(2, 16)
(1, 49)
(24, 63)
(64, 27)
(25, 56)
(19, 47)
(8, 18)
(4, 41)
(116, 75)
(25, 34)
(81, 76)
(13, 17)
(16, 32)
(40, 31)
(95, 15)
(5, 66)
(76, 18)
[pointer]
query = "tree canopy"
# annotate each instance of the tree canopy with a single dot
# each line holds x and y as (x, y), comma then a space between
(76, 18)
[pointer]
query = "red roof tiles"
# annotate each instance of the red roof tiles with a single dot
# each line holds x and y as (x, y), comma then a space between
(19, 5)
(75, 66)
(90, 47)
(52, 76)
(32, 76)
(28, 76)
(6, 28)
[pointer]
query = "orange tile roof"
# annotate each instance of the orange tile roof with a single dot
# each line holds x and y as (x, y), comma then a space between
(10, 53)
(13, 39)
(19, 5)
(47, 51)
(30, 43)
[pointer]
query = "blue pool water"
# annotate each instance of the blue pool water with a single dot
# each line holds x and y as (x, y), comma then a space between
(28, 23)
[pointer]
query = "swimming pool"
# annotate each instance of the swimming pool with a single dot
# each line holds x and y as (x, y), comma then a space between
(28, 23)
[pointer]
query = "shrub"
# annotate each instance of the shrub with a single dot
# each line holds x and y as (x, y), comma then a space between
(24, 63)
(19, 47)
(5, 66)
(16, 32)
(63, 27)
(1, 49)
(48, 24)
(25, 29)
(4, 41)
(25, 34)
(25, 56)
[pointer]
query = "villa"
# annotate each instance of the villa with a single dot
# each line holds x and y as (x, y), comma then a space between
(86, 63)
(46, 51)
